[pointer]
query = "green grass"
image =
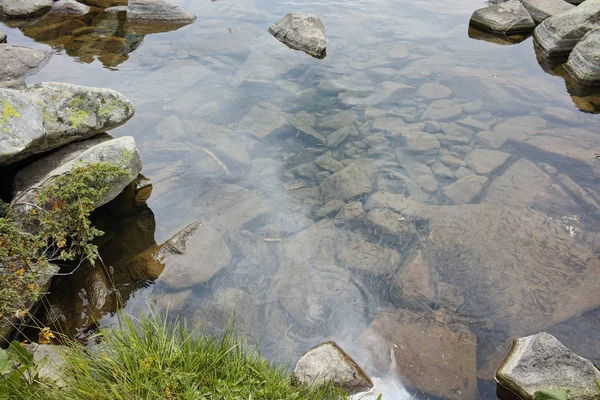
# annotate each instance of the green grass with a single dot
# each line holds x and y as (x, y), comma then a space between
(157, 358)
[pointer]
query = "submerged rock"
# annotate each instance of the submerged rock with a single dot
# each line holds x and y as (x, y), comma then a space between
(355, 180)
(484, 162)
(329, 363)
(540, 362)
(584, 60)
(557, 35)
(121, 152)
(506, 18)
(193, 256)
(542, 9)
(465, 189)
(25, 8)
(442, 110)
(415, 284)
(427, 351)
(304, 32)
(49, 115)
(18, 62)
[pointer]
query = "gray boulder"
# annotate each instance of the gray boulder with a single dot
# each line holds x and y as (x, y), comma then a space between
(329, 363)
(2, 38)
(505, 18)
(557, 35)
(542, 362)
(51, 358)
(69, 7)
(121, 152)
(304, 32)
(155, 11)
(49, 115)
(26, 8)
(542, 9)
(17, 62)
(37, 170)
(584, 61)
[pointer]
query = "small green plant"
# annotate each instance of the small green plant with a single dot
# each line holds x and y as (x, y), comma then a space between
(64, 232)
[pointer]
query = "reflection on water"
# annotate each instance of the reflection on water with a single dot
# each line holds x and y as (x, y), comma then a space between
(417, 196)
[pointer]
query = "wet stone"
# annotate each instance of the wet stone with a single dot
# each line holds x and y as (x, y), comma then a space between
(465, 189)
(421, 142)
(69, 7)
(452, 160)
(17, 62)
(441, 170)
(461, 172)
(329, 208)
(321, 176)
(25, 8)
(392, 227)
(494, 140)
(355, 180)
(428, 183)
(2, 37)
(434, 91)
(328, 163)
(352, 215)
(520, 128)
(337, 137)
(562, 115)
(377, 141)
(391, 125)
(442, 110)
(307, 170)
(474, 124)
(415, 284)
(558, 35)
(338, 120)
(542, 9)
(304, 32)
(584, 60)
(508, 17)
(540, 362)
(329, 363)
(485, 162)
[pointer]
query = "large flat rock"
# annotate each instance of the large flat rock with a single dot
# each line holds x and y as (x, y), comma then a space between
(508, 17)
(49, 115)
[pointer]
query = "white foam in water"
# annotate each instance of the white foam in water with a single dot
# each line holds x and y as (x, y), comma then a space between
(388, 386)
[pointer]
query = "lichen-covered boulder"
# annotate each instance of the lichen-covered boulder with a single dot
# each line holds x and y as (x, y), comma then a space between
(329, 363)
(541, 362)
(584, 61)
(17, 62)
(505, 18)
(557, 35)
(49, 115)
(26, 8)
(304, 32)
(154, 12)
(542, 9)
(121, 152)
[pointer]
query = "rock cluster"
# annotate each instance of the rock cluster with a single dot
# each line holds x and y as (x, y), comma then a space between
(64, 122)
(562, 28)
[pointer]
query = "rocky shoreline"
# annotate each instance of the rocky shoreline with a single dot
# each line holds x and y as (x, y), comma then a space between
(411, 201)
